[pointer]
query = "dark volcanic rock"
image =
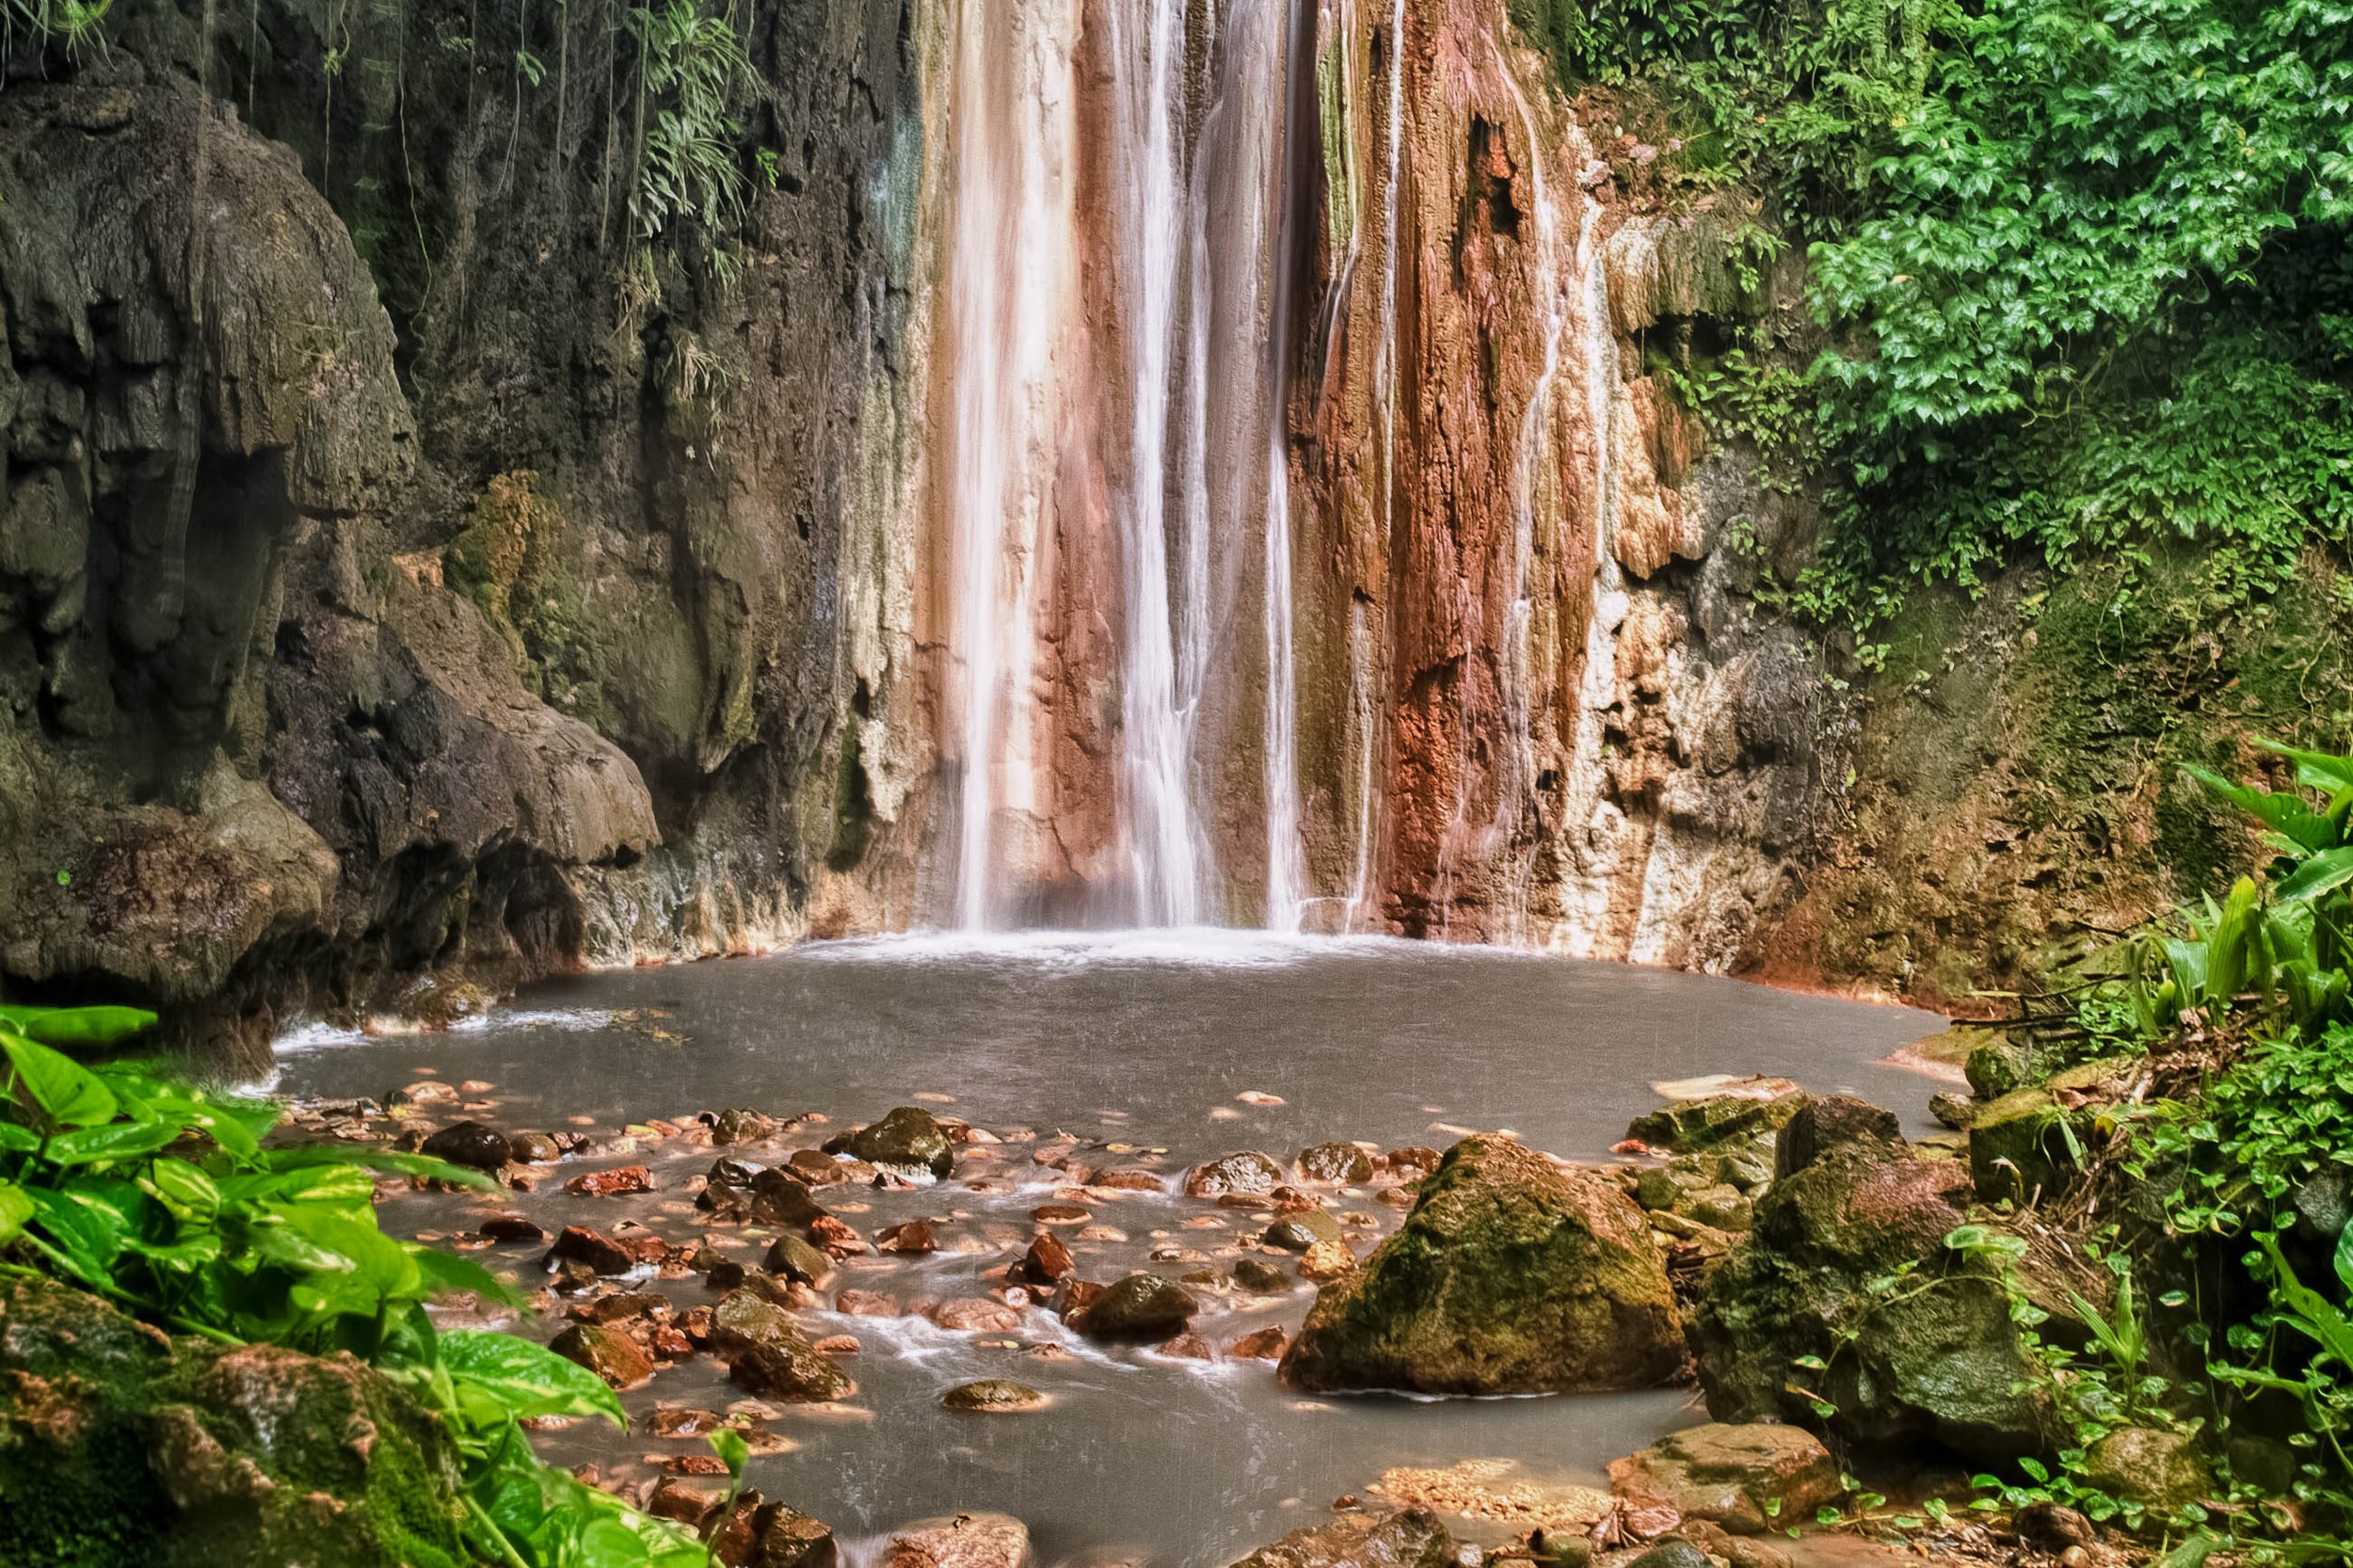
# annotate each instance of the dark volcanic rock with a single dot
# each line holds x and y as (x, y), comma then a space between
(909, 1138)
(470, 1143)
(1139, 1306)
(1506, 1276)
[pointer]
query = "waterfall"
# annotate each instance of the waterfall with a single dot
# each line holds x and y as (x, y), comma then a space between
(1148, 370)
(1515, 798)
(1589, 888)
(1285, 862)
(1008, 268)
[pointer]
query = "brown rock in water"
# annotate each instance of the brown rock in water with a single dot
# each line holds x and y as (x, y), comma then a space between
(621, 1306)
(746, 1317)
(910, 1138)
(1060, 1213)
(785, 1538)
(913, 1237)
(1744, 1478)
(1187, 1347)
(534, 1148)
(593, 1248)
(779, 1198)
(864, 1303)
(818, 1169)
(793, 1372)
(836, 1237)
(469, 1143)
(1409, 1539)
(1139, 1306)
(608, 1352)
(1262, 1278)
(614, 1183)
(1267, 1344)
(1335, 1163)
(681, 1503)
(976, 1315)
(1411, 1163)
(741, 1127)
(964, 1540)
(1327, 1260)
(508, 1228)
(1046, 1261)
(1298, 1232)
(793, 1258)
(993, 1396)
(1246, 1172)
(1509, 1277)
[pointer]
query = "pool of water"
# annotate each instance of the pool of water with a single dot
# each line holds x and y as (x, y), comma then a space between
(1149, 1050)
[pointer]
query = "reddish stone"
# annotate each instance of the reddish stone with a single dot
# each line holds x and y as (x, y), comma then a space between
(612, 1183)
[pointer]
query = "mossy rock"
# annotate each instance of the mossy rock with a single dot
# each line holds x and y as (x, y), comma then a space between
(1690, 1125)
(1937, 1365)
(910, 1138)
(1410, 1539)
(1508, 1276)
(2020, 1146)
(120, 1448)
(2162, 1471)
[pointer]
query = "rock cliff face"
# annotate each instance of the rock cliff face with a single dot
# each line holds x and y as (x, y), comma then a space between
(1114, 459)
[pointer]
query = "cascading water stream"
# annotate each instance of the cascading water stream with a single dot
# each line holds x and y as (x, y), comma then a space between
(1166, 847)
(1006, 250)
(1516, 796)
(1187, 394)
(1587, 893)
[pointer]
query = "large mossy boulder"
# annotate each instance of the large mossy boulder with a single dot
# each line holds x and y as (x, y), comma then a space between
(1508, 1278)
(1410, 1539)
(1848, 1266)
(120, 1448)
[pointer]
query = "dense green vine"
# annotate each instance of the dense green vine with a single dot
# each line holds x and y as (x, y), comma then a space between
(2081, 265)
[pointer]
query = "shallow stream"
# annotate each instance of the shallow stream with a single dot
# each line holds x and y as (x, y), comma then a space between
(1155, 1051)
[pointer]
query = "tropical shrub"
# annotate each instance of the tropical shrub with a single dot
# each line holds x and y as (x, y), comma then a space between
(126, 1180)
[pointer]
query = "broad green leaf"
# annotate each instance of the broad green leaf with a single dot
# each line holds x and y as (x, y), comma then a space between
(192, 1196)
(77, 1026)
(526, 1379)
(61, 1089)
(2321, 874)
(117, 1141)
(16, 1211)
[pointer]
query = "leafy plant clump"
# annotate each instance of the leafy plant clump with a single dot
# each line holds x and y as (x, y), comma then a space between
(2238, 1186)
(126, 1182)
(2079, 267)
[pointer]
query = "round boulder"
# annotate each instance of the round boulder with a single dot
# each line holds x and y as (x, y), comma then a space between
(909, 1138)
(1508, 1278)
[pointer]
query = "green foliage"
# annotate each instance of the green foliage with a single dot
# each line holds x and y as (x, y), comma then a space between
(127, 1181)
(689, 66)
(2083, 264)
